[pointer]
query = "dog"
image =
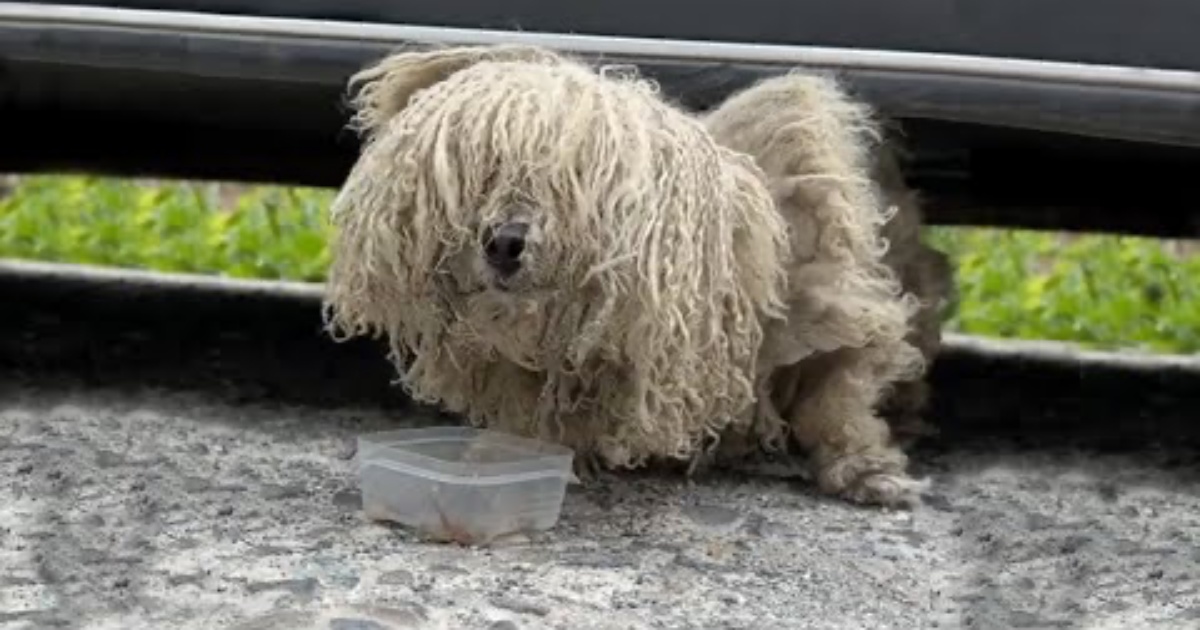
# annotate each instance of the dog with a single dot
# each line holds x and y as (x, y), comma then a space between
(556, 250)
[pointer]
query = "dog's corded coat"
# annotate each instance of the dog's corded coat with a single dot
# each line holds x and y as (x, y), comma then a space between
(686, 282)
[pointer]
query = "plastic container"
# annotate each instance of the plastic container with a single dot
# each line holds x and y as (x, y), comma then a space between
(463, 485)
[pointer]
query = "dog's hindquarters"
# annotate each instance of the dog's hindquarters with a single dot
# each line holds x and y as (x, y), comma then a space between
(852, 337)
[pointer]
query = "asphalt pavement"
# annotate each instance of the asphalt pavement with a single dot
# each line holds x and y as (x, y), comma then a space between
(153, 509)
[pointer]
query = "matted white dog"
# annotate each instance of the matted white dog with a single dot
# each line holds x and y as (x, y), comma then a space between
(556, 251)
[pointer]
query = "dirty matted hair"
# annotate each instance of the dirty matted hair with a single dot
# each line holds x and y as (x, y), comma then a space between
(661, 254)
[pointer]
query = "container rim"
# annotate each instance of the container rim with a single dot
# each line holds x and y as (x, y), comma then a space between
(441, 476)
(538, 457)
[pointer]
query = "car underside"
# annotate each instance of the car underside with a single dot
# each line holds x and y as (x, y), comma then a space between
(1073, 115)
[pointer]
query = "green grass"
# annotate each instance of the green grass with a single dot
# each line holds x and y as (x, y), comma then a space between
(1101, 291)
(265, 232)
(1098, 290)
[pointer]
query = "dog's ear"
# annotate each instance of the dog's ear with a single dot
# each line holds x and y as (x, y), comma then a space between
(386, 87)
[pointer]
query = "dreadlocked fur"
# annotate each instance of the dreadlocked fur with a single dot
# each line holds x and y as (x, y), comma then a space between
(624, 339)
(865, 295)
(682, 279)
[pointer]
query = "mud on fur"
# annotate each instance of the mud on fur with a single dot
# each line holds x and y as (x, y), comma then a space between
(555, 250)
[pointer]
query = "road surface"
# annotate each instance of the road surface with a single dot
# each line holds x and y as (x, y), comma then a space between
(162, 510)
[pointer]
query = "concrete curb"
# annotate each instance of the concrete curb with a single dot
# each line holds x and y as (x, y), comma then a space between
(255, 340)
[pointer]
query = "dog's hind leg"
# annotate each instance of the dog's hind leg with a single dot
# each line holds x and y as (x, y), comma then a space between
(845, 344)
(829, 403)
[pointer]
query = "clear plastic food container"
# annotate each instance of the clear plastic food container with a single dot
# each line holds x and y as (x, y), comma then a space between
(464, 485)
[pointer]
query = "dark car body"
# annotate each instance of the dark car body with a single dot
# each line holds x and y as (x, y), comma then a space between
(1053, 113)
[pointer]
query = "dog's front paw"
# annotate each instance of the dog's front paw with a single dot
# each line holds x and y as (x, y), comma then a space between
(872, 479)
(585, 469)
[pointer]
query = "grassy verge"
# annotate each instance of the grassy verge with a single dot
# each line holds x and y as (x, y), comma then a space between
(1102, 291)
(255, 232)
(1099, 290)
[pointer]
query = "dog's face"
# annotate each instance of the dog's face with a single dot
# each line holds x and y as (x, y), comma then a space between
(515, 207)
(508, 280)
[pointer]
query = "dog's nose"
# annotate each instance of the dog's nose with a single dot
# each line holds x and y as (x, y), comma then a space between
(502, 246)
